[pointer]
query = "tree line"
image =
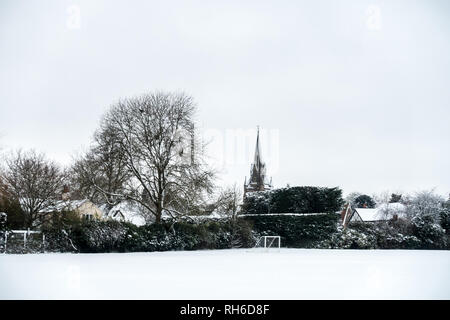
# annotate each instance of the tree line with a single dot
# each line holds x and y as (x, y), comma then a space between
(146, 151)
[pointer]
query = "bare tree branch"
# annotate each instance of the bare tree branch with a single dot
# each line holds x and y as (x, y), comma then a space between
(34, 182)
(154, 143)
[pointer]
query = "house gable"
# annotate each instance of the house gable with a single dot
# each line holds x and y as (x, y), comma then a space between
(355, 217)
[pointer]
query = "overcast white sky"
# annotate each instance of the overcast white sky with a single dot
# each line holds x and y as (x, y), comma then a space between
(348, 93)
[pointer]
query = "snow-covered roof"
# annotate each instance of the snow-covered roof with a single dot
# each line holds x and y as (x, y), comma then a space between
(124, 211)
(218, 215)
(199, 218)
(64, 205)
(385, 211)
(367, 214)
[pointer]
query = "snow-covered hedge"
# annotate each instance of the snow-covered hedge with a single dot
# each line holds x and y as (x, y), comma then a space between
(296, 231)
(430, 233)
(401, 234)
(115, 236)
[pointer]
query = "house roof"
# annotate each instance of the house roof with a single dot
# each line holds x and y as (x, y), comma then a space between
(385, 211)
(64, 205)
(367, 214)
(124, 211)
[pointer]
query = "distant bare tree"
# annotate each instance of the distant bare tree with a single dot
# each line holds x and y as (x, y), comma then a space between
(155, 135)
(425, 204)
(229, 201)
(33, 181)
(381, 198)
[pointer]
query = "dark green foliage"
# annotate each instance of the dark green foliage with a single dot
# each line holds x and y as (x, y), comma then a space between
(358, 237)
(114, 236)
(256, 203)
(431, 234)
(445, 222)
(63, 220)
(60, 229)
(390, 235)
(2, 241)
(59, 240)
(364, 201)
(242, 234)
(2, 231)
(100, 236)
(3, 217)
(296, 231)
(16, 217)
(294, 200)
(15, 241)
(400, 234)
(445, 218)
(395, 198)
(164, 236)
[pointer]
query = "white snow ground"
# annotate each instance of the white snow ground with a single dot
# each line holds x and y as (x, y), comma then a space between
(229, 274)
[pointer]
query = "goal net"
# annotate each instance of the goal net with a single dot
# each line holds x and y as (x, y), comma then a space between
(23, 241)
(268, 242)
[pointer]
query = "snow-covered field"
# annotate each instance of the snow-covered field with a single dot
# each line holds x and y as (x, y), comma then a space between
(229, 274)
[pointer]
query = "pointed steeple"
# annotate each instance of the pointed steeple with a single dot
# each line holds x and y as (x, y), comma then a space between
(257, 160)
(257, 181)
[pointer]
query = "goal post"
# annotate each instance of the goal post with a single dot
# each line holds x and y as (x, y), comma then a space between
(23, 241)
(268, 242)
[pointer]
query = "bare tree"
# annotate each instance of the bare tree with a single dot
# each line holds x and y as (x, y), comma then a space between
(165, 169)
(381, 198)
(425, 204)
(34, 182)
(102, 172)
(229, 201)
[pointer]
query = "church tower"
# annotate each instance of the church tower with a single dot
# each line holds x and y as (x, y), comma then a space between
(258, 180)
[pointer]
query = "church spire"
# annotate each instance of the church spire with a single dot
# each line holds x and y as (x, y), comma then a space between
(257, 181)
(257, 160)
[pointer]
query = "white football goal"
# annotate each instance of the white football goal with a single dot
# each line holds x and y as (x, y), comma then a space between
(23, 241)
(268, 242)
